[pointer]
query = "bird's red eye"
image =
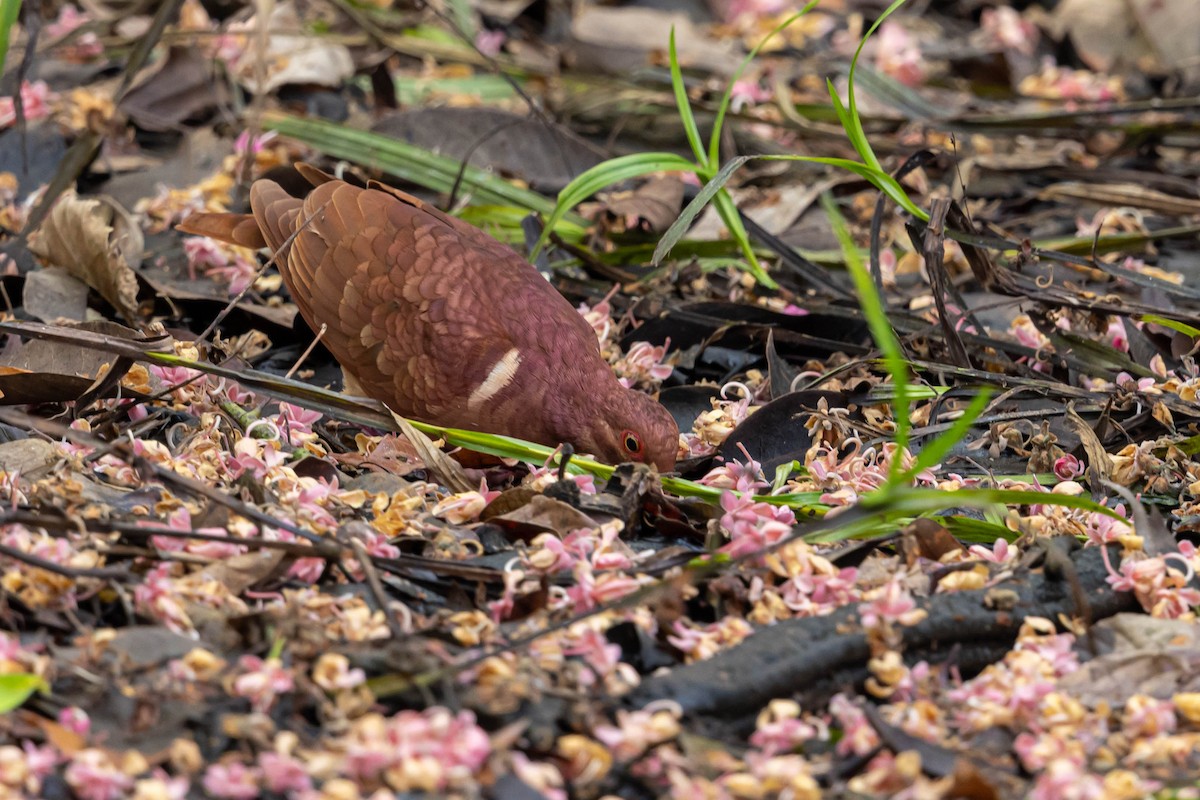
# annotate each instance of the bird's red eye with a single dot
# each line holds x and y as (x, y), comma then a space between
(632, 442)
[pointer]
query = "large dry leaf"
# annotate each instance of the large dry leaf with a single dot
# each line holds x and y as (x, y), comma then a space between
(30, 458)
(545, 514)
(1153, 36)
(46, 371)
(617, 39)
(1140, 655)
(54, 294)
(182, 88)
(655, 203)
(544, 154)
(290, 59)
(97, 241)
(442, 467)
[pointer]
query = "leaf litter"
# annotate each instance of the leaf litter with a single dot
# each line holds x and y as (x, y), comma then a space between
(933, 528)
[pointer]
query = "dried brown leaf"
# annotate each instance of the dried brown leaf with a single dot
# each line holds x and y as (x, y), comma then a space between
(53, 294)
(545, 514)
(30, 458)
(445, 469)
(1100, 463)
(97, 241)
(241, 572)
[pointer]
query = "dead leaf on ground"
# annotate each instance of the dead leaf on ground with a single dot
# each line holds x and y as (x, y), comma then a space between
(1147, 656)
(1148, 35)
(46, 371)
(97, 241)
(241, 572)
(442, 467)
(30, 458)
(184, 88)
(544, 515)
(616, 39)
(653, 206)
(291, 59)
(53, 294)
(544, 154)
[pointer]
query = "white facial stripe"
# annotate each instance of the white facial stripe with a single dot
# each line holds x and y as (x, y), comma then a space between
(502, 375)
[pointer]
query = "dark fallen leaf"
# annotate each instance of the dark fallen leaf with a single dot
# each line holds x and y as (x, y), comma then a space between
(651, 207)
(936, 761)
(545, 155)
(543, 515)
(776, 433)
(45, 148)
(53, 294)
(43, 371)
(745, 327)
(780, 374)
(639, 648)
(688, 402)
(318, 468)
(925, 538)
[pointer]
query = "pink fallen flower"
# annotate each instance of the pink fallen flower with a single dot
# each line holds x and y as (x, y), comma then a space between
(233, 781)
(92, 775)
(35, 101)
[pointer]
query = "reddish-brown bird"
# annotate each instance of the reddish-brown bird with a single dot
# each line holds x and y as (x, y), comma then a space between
(443, 323)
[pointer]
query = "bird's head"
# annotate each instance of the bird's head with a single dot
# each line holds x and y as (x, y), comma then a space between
(633, 427)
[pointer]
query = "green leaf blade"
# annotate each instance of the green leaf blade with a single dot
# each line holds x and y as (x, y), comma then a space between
(17, 687)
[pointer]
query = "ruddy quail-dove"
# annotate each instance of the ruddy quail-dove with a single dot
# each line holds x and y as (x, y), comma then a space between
(441, 322)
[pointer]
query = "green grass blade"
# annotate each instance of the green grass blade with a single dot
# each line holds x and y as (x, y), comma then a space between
(733, 222)
(714, 142)
(712, 191)
(977, 531)
(881, 330)
(606, 174)
(855, 134)
(878, 178)
(901, 503)
(409, 162)
(859, 136)
(1175, 325)
(933, 452)
(16, 688)
(685, 106)
(503, 223)
(9, 9)
(680, 226)
(911, 501)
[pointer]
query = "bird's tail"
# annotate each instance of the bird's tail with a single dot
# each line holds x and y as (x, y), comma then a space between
(239, 229)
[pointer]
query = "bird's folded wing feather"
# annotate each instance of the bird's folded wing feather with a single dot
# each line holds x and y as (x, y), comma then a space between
(240, 229)
(445, 324)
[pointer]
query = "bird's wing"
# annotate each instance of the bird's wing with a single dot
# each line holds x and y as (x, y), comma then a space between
(438, 325)
(240, 229)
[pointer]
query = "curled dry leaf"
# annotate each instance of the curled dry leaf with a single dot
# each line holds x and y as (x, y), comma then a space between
(655, 204)
(290, 59)
(98, 242)
(47, 371)
(53, 294)
(445, 469)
